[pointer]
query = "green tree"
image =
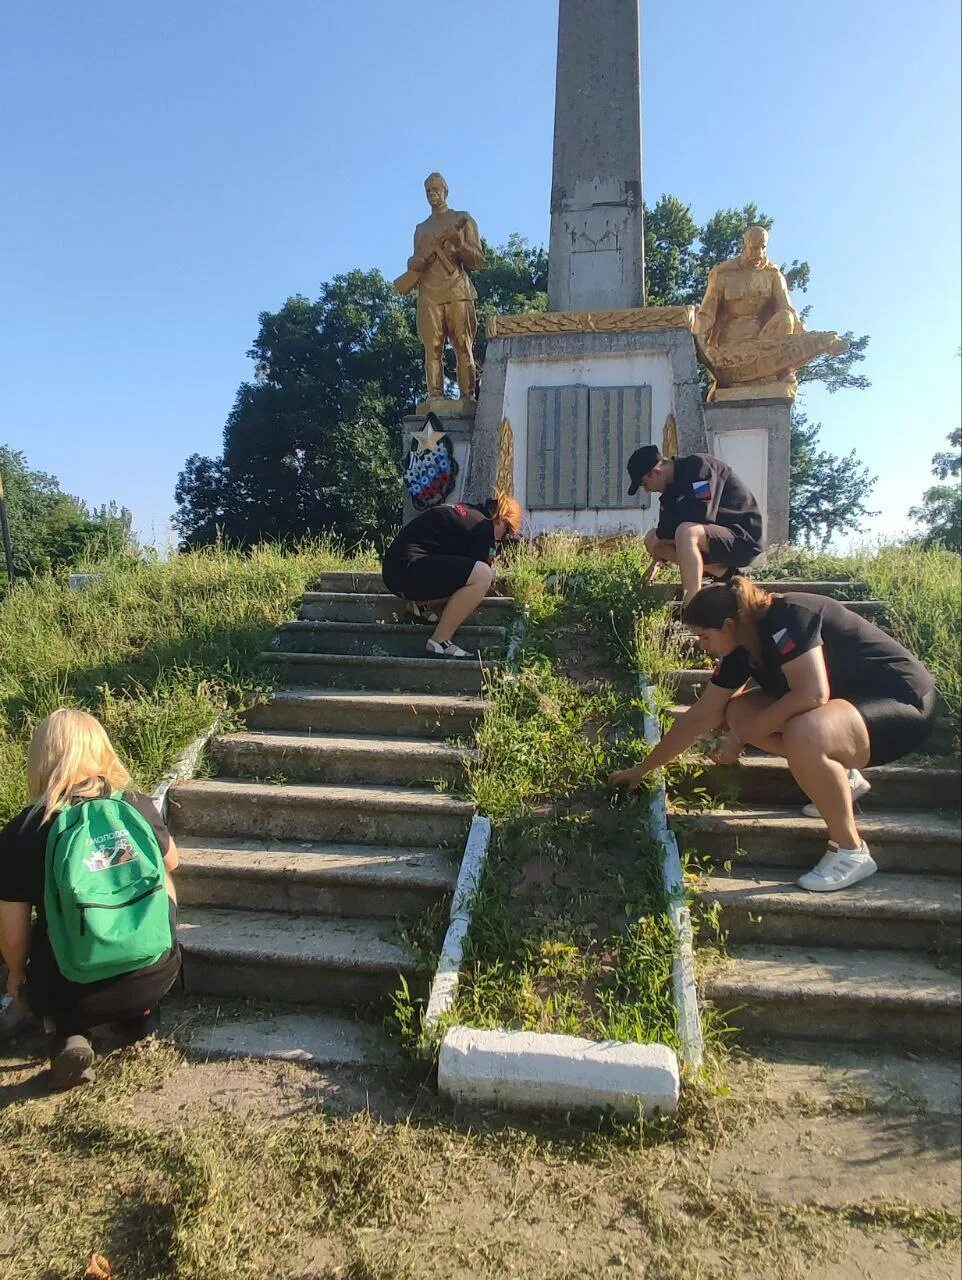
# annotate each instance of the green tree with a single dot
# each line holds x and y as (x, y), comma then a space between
(940, 514)
(314, 442)
(51, 529)
(827, 493)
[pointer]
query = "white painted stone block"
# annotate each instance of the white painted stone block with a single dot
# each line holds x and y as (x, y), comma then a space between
(532, 1071)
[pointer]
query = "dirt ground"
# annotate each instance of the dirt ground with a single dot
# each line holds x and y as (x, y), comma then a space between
(782, 1170)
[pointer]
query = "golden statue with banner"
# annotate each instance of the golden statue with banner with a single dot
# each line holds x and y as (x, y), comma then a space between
(747, 332)
(446, 247)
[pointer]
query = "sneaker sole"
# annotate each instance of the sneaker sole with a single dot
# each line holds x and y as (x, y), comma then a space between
(71, 1067)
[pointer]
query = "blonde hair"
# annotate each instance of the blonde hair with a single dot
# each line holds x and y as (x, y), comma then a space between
(70, 758)
(508, 510)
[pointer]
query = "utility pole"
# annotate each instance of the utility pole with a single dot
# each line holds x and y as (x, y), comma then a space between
(5, 531)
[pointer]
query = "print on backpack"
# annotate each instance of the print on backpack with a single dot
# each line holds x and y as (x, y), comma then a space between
(107, 908)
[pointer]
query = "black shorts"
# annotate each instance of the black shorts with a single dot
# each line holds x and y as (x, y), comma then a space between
(896, 728)
(428, 577)
(729, 547)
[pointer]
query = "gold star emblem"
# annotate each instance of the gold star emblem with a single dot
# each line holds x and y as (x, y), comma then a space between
(428, 439)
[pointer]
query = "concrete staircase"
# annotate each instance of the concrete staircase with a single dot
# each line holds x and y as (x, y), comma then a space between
(875, 963)
(322, 830)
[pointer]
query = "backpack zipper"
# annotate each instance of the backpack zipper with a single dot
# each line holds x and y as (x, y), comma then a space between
(111, 906)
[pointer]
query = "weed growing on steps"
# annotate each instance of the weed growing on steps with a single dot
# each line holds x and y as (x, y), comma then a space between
(154, 649)
(570, 932)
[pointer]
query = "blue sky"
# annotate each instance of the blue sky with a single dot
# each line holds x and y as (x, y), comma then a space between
(173, 169)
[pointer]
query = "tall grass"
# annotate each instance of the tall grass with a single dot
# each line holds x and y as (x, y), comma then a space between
(155, 650)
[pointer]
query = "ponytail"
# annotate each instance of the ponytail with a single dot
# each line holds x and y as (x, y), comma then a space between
(507, 509)
(710, 608)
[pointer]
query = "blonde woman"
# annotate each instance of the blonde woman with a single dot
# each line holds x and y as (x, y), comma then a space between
(71, 762)
(443, 557)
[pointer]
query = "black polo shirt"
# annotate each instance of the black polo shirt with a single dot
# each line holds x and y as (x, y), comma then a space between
(705, 490)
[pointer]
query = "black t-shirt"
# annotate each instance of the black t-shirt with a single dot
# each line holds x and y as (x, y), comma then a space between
(23, 855)
(861, 659)
(705, 490)
(453, 529)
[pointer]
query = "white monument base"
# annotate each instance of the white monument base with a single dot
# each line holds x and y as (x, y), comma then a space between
(579, 404)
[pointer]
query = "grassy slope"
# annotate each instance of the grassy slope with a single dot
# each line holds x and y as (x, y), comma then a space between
(155, 650)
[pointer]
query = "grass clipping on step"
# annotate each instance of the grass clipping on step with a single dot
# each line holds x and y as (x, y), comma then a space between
(154, 649)
(570, 932)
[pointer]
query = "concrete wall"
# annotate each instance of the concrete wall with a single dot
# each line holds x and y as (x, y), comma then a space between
(662, 359)
(627, 369)
(755, 438)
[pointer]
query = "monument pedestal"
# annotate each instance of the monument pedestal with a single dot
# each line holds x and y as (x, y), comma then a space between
(458, 426)
(581, 394)
(755, 438)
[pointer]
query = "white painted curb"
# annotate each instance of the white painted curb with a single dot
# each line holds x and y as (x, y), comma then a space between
(529, 1070)
(448, 974)
(183, 767)
(684, 990)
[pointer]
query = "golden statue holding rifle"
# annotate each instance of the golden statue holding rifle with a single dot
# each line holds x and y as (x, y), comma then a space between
(446, 247)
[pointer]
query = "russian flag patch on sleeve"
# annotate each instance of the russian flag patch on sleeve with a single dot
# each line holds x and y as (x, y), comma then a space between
(783, 642)
(701, 490)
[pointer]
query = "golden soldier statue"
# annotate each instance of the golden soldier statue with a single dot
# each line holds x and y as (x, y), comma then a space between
(446, 247)
(748, 333)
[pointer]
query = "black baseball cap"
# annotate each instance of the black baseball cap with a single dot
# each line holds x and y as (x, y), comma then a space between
(640, 463)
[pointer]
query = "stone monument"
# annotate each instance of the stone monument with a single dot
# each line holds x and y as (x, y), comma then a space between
(599, 374)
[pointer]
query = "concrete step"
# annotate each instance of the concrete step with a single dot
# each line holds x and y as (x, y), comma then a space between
(312, 878)
(907, 841)
(940, 742)
(839, 589)
(817, 993)
(357, 582)
(325, 812)
(308, 959)
(898, 912)
(767, 781)
(364, 711)
(873, 610)
(265, 1034)
(351, 671)
(351, 582)
(305, 757)
(378, 606)
(391, 639)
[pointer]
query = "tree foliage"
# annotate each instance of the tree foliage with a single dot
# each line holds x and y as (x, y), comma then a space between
(313, 442)
(50, 529)
(827, 493)
(940, 513)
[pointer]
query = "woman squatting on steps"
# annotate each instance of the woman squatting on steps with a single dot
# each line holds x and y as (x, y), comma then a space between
(443, 557)
(92, 858)
(834, 694)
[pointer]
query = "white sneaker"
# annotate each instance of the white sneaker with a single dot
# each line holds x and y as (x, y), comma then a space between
(838, 869)
(860, 787)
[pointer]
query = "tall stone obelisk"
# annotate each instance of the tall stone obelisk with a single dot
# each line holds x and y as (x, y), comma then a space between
(597, 245)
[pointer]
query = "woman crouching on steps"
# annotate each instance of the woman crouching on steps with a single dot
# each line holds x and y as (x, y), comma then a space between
(92, 859)
(443, 558)
(834, 694)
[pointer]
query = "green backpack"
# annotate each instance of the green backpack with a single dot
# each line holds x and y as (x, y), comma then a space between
(105, 891)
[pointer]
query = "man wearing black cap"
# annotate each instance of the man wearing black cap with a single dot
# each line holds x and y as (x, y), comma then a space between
(709, 521)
